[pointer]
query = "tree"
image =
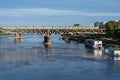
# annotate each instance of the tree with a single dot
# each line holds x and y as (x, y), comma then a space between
(113, 29)
(110, 26)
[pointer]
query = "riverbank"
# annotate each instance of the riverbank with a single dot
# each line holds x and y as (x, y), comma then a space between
(82, 38)
(77, 38)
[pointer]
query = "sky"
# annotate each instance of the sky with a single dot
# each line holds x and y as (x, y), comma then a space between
(58, 12)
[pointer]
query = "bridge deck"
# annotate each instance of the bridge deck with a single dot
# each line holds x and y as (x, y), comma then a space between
(52, 31)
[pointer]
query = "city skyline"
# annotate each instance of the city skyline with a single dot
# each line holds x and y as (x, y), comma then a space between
(63, 12)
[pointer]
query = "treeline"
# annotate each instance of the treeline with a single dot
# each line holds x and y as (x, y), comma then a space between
(113, 29)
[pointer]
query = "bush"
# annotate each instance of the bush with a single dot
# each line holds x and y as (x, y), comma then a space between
(67, 35)
(114, 46)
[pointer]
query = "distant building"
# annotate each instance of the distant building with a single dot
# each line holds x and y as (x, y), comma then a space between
(100, 24)
(76, 24)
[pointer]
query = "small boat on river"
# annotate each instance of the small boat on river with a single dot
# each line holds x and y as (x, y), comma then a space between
(93, 44)
(112, 52)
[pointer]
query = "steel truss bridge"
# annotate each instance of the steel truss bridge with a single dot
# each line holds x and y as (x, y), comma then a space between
(47, 32)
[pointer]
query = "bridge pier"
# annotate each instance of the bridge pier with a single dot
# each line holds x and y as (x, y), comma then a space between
(17, 35)
(47, 40)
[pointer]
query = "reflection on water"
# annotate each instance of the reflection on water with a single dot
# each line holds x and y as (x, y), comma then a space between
(47, 45)
(98, 52)
(14, 56)
(116, 58)
(17, 40)
(30, 59)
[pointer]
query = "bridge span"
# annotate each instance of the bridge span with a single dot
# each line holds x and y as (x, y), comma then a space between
(52, 31)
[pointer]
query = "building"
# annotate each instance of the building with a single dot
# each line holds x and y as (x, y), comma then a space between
(100, 24)
(93, 44)
(76, 25)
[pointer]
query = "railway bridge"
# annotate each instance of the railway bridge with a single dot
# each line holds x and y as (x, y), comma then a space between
(47, 32)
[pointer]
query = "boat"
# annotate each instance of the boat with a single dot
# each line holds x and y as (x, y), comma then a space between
(93, 44)
(112, 52)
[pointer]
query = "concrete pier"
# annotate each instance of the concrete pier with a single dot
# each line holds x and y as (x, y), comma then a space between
(17, 35)
(47, 40)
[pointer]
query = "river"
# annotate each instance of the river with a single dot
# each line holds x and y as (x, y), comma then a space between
(30, 59)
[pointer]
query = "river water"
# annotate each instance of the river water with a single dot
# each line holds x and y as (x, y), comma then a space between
(30, 59)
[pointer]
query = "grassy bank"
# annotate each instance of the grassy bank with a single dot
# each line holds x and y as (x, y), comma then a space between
(114, 46)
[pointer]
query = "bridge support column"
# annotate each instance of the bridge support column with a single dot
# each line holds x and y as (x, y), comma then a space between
(47, 40)
(17, 35)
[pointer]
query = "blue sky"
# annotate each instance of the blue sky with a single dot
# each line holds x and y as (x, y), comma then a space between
(57, 12)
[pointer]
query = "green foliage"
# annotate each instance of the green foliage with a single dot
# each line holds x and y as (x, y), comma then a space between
(113, 29)
(67, 35)
(114, 46)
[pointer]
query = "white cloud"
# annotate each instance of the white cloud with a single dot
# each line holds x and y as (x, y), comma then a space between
(44, 11)
(102, 14)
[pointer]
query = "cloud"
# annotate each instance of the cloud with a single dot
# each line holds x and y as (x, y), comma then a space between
(50, 12)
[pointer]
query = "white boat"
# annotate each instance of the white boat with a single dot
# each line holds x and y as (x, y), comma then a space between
(112, 52)
(94, 44)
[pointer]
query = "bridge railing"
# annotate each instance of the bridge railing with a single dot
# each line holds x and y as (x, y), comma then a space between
(58, 27)
(50, 27)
